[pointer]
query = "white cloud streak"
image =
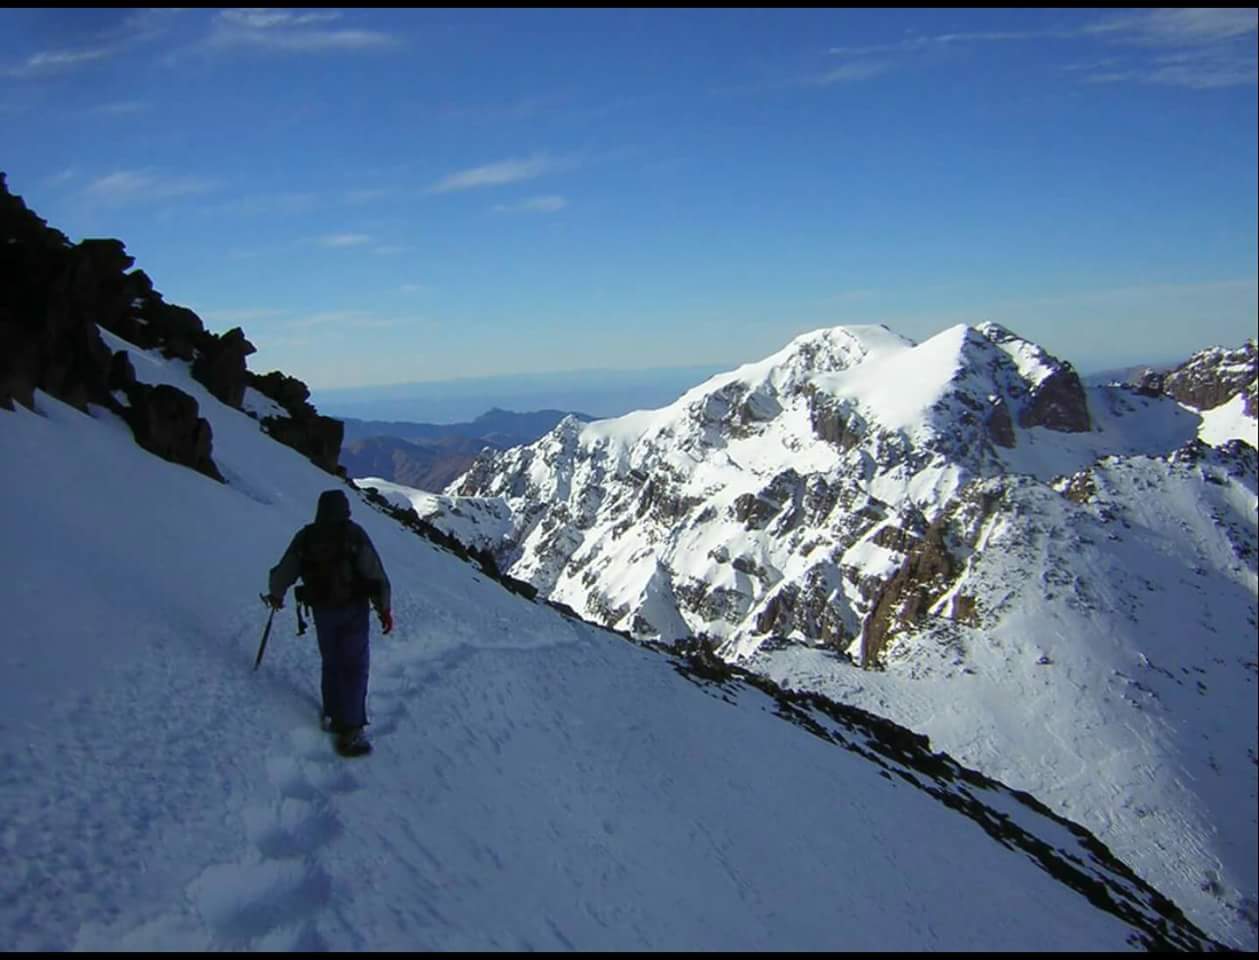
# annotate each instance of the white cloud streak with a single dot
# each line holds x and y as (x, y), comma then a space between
(285, 30)
(858, 70)
(1197, 48)
(1172, 27)
(545, 204)
(496, 174)
(132, 186)
(121, 107)
(136, 27)
(338, 240)
(57, 61)
(366, 195)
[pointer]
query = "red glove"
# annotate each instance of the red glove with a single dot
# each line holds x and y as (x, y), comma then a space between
(386, 621)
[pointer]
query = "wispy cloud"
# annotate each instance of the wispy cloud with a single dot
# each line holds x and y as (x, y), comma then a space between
(269, 204)
(1195, 73)
(286, 30)
(859, 70)
(62, 178)
(121, 107)
(132, 186)
(544, 204)
(1178, 27)
(48, 62)
(1196, 48)
(1199, 49)
(873, 60)
(358, 241)
(126, 30)
(344, 240)
(261, 18)
(496, 174)
(366, 195)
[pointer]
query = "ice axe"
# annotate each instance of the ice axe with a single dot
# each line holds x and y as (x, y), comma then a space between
(265, 633)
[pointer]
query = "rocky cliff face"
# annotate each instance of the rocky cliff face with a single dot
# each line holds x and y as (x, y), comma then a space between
(430, 465)
(56, 296)
(1213, 377)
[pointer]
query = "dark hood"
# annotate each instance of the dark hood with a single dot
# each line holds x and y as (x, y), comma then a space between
(333, 505)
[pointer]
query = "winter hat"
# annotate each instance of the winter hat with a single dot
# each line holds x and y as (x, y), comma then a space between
(333, 505)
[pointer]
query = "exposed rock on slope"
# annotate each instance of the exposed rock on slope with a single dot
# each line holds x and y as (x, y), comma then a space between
(56, 296)
(1213, 377)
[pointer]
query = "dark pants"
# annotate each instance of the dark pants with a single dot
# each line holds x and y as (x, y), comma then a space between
(343, 633)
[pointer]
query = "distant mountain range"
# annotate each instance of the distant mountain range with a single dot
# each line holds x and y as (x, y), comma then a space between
(602, 393)
(429, 456)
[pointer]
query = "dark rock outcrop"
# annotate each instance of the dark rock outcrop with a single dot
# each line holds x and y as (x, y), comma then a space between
(832, 422)
(304, 429)
(923, 577)
(1213, 377)
(165, 422)
(51, 293)
(56, 296)
(221, 365)
(1000, 427)
(1058, 403)
(811, 609)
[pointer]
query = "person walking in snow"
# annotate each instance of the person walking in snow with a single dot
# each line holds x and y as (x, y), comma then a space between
(341, 573)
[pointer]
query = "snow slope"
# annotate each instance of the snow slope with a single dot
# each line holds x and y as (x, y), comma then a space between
(1114, 674)
(1229, 422)
(538, 783)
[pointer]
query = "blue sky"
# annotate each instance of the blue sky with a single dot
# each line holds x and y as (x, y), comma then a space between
(381, 196)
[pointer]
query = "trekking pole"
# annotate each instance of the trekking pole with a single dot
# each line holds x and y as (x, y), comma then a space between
(265, 633)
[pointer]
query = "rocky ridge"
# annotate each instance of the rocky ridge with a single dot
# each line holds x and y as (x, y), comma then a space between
(769, 503)
(55, 297)
(1210, 378)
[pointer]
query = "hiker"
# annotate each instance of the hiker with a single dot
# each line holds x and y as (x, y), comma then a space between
(341, 572)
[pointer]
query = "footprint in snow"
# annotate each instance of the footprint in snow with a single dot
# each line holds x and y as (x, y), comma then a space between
(291, 829)
(240, 902)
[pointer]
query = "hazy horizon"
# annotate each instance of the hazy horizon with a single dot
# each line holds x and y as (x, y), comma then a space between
(597, 393)
(601, 393)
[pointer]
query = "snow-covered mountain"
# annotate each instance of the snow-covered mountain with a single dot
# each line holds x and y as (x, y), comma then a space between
(1039, 569)
(1218, 382)
(538, 782)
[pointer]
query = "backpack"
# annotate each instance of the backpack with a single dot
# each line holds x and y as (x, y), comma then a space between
(328, 561)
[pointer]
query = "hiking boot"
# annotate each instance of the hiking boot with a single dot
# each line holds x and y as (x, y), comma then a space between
(353, 743)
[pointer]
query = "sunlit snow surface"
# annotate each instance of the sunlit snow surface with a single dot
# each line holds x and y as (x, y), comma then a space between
(536, 784)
